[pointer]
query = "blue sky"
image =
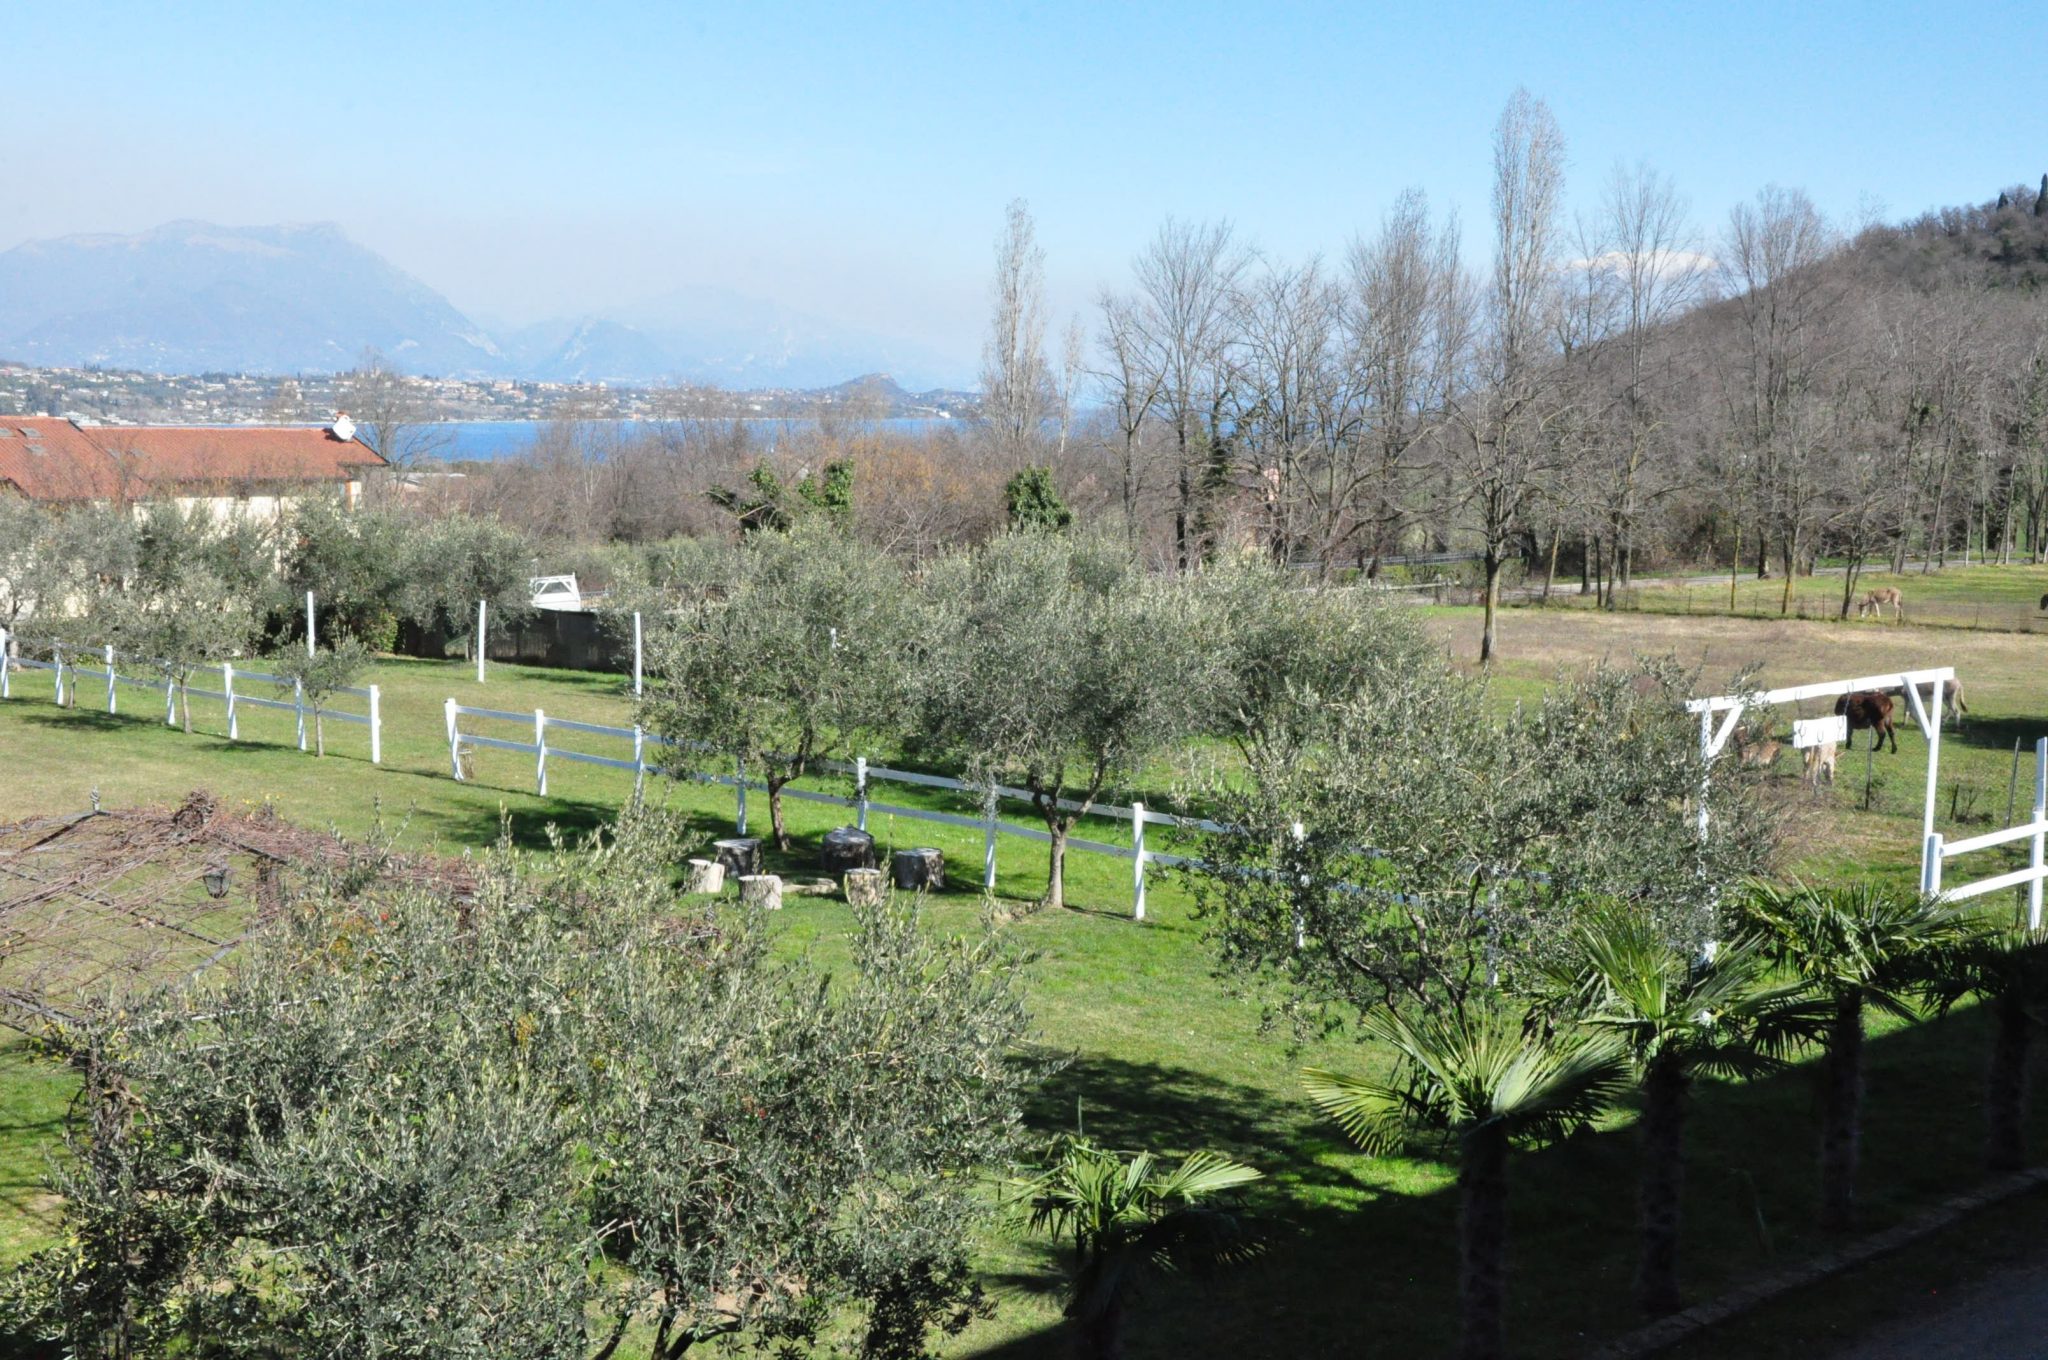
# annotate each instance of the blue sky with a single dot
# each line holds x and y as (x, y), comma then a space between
(854, 161)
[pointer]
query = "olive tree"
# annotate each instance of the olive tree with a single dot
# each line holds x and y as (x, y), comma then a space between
(550, 1112)
(1419, 852)
(1058, 666)
(319, 676)
(453, 562)
(195, 596)
(792, 653)
(355, 563)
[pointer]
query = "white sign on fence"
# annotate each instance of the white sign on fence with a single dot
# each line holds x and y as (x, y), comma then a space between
(1820, 731)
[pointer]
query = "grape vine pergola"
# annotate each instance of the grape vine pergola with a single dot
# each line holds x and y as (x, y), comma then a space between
(96, 903)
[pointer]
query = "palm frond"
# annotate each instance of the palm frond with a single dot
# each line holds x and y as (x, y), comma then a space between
(1472, 1075)
(1375, 1116)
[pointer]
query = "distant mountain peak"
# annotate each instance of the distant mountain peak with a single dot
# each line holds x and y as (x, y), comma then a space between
(193, 296)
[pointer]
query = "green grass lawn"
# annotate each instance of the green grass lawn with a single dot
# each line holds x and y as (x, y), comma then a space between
(1163, 1054)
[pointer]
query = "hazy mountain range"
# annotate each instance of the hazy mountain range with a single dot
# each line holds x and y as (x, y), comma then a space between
(192, 297)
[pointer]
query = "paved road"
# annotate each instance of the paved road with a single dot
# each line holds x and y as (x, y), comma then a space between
(2004, 1317)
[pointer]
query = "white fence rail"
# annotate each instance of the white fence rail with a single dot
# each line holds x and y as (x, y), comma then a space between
(1939, 850)
(66, 670)
(646, 748)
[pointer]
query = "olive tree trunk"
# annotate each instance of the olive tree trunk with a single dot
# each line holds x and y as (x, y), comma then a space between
(1483, 1246)
(1056, 861)
(1841, 1113)
(775, 784)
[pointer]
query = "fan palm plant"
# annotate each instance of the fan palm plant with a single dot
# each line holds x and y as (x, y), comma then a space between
(1858, 947)
(1127, 1217)
(1482, 1081)
(1679, 1018)
(2007, 969)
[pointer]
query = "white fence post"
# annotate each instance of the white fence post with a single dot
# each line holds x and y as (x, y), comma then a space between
(2040, 833)
(739, 785)
(1138, 861)
(108, 653)
(57, 651)
(988, 840)
(639, 761)
(170, 699)
(636, 654)
(479, 642)
(227, 688)
(299, 706)
(1933, 763)
(540, 752)
(376, 726)
(860, 792)
(309, 623)
(6, 668)
(454, 742)
(1930, 864)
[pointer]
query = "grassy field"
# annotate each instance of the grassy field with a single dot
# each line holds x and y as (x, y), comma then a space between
(1163, 1055)
(1999, 598)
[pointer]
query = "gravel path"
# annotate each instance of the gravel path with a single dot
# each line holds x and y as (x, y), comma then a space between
(2004, 1317)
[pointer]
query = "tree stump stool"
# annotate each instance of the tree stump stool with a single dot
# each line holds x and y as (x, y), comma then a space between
(741, 855)
(863, 887)
(846, 847)
(923, 867)
(706, 876)
(761, 890)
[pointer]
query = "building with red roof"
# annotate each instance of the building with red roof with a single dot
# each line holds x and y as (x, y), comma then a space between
(240, 469)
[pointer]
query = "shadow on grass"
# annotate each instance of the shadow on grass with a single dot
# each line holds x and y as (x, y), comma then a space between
(1361, 1254)
(1999, 734)
(525, 827)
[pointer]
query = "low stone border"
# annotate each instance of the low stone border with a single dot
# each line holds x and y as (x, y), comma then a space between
(1682, 1325)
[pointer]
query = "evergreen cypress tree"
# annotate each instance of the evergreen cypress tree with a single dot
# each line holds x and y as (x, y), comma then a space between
(2041, 199)
(2003, 201)
(1034, 502)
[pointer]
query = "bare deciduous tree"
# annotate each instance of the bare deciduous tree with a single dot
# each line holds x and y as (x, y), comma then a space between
(1019, 393)
(393, 413)
(1187, 279)
(1503, 447)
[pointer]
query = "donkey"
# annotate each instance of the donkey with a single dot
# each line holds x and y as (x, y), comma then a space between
(1879, 599)
(1872, 709)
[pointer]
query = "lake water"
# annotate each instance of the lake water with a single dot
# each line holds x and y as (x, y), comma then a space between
(485, 440)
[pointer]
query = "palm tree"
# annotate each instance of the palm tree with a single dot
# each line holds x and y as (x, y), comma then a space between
(1679, 1018)
(1857, 946)
(1482, 1081)
(1127, 1217)
(2008, 970)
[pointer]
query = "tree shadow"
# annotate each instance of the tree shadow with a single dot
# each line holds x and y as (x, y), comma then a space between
(1361, 1255)
(1999, 734)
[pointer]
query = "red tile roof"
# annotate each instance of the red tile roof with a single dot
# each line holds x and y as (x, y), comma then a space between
(55, 460)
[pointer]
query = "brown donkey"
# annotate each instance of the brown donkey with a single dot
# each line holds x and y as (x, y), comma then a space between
(1872, 709)
(1880, 599)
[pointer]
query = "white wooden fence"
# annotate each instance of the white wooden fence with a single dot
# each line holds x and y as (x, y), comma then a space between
(646, 750)
(69, 666)
(1939, 850)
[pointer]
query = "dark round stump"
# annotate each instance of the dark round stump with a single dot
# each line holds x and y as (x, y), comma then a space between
(923, 867)
(741, 856)
(846, 847)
